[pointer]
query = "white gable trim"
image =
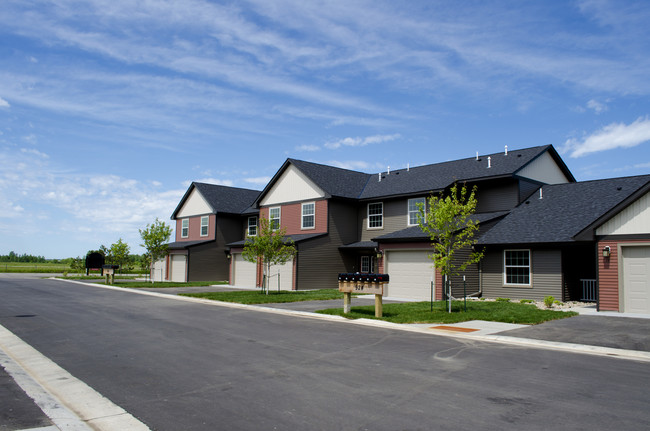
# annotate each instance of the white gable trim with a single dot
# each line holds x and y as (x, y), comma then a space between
(194, 205)
(292, 186)
(633, 219)
(544, 169)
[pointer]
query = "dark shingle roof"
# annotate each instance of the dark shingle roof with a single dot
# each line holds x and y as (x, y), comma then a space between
(295, 238)
(564, 211)
(180, 245)
(222, 199)
(441, 175)
(416, 234)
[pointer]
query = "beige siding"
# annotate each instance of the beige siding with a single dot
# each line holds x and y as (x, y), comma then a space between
(546, 276)
(194, 205)
(634, 219)
(292, 186)
(545, 170)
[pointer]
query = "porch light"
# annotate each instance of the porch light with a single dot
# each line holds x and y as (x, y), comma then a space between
(606, 251)
(379, 254)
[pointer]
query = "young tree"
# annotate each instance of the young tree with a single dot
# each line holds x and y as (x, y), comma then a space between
(270, 247)
(449, 224)
(155, 237)
(119, 253)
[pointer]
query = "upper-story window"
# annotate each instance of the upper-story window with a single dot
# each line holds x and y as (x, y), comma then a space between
(308, 215)
(252, 226)
(274, 218)
(376, 215)
(516, 268)
(414, 210)
(204, 225)
(185, 228)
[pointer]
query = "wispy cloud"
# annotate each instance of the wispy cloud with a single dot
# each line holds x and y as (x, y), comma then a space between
(4, 103)
(210, 180)
(308, 148)
(258, 181)
(597, 106)
(615, 135)
(361, 142)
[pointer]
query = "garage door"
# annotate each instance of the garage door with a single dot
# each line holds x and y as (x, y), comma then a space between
(178, 263)
(283, 273)
(636, 279)
(244, 272)
(410, 273)
(159, 270)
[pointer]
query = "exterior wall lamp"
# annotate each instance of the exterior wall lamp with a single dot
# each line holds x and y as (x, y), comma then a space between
(379, 254)
(606, 251)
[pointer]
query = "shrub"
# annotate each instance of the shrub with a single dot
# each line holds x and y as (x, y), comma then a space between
(526, 301)
(548, 301)
(502, 300)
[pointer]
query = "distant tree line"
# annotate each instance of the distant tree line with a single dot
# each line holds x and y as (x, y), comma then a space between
(26, 258)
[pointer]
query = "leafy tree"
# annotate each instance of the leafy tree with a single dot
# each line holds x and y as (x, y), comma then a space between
(155, 237)
(269, 247)
(449, 224)
(119, 252)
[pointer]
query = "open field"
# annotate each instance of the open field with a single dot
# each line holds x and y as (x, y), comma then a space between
(34, 267)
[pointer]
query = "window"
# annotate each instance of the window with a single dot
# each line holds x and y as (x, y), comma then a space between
(274, 218)
(517, 267)
(252, 226)
(414, 211)
(366, 263)
(375, 215)
(185, 228)
(204, 225)
(308, 211)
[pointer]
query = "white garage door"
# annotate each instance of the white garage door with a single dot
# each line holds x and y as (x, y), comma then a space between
(178, 264)
(636, 279)
(410, 273)
(159, 270)
(244, 272)
(285, 274)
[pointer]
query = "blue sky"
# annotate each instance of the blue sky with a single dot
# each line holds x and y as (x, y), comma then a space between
(110, 108)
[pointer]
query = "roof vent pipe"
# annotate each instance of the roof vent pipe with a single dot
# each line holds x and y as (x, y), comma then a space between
(541, 196)
(506, 150)
(477, 156)
(388, 170)
(408, 167)
(489, 162)
(379, 177)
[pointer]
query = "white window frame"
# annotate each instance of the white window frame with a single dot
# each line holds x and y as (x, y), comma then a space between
(205, 225)
(279, 218)
(185, 228)
(306, 216)
(506, 266)
(254, 226)
(380, 215)
(366, 261)
(415, 212)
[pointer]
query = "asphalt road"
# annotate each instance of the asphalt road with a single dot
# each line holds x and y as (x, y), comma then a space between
(186, 366)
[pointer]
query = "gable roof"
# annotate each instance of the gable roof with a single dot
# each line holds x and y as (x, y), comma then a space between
(221, 199)
(564, 211)
(437, 177)
(335, 182)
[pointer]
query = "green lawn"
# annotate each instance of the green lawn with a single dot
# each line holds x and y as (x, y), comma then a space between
(419, 312)
(256, 297)
(21, 267)
(164, 284)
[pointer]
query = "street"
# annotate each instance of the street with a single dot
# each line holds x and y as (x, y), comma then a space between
(189, 366)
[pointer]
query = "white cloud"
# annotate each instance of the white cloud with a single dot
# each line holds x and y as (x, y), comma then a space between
(596, 106)
(4, 103)
(615, 135)
(258, 180)
(360, 142)
(355, 165)
(307, 148)
(34, 152)
(215, 181)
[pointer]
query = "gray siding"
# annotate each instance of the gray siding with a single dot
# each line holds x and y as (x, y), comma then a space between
(395, 212)
(546, 276)
(499, 196)
(526, 189)
(319, 260)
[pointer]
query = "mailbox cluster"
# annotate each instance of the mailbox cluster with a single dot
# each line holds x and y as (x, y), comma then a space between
(366, 278)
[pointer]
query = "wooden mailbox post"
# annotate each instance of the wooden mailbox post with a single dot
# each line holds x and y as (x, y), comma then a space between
(362, 283)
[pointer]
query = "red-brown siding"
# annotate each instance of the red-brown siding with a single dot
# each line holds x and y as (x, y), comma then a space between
(608, 273)
(195, 228)
(291, 217)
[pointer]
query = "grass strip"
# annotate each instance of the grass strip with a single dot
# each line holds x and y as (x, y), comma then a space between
(256, 297)
(420, 312)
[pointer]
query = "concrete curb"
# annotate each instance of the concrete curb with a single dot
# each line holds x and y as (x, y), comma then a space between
(70, 403)
(501, 339)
